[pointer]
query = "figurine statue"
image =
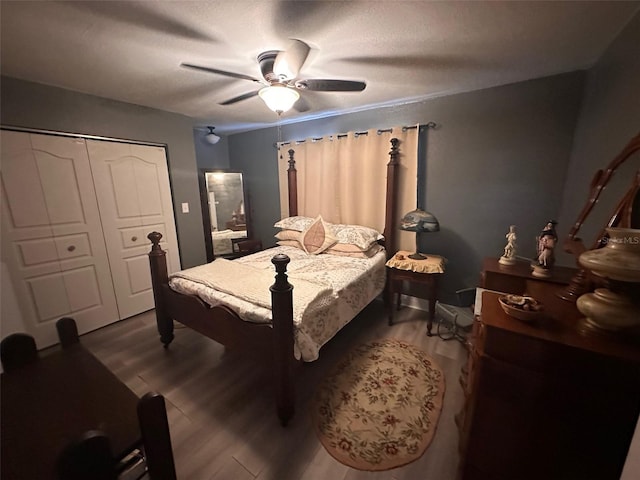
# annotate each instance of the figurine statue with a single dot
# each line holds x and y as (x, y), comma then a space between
(545, 257)
(509, 256)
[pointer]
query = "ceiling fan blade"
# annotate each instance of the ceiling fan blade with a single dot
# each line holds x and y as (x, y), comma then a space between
(289, 62)
(318, 85)
(220, 72)
(239, 98)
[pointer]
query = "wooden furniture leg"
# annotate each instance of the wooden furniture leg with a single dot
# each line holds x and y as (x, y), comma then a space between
(433, 297)
(282, 310)
(67, 332)
(156, 439)
(159, 278)
(17, 350)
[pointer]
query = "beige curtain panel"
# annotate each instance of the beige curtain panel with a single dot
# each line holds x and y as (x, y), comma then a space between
(344, 177)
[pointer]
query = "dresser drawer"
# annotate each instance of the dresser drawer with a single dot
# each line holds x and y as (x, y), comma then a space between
(528, 425)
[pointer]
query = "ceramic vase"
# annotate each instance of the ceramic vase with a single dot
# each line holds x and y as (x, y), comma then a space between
(619, 259)
(614, 308)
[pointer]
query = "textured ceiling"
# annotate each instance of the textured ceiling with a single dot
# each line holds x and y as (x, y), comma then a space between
(404, 50)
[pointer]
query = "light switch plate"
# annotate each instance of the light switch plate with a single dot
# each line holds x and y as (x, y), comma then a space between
(185, 207)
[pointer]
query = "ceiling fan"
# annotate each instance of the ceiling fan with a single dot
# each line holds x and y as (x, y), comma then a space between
(280, 82)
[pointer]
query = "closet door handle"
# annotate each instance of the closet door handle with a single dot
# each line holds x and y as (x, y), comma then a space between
(134, 238)
(71, 248)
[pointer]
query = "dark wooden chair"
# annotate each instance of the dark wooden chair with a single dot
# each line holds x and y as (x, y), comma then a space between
(67, 332)
(90, 457)
(156, 439)
(17, 350)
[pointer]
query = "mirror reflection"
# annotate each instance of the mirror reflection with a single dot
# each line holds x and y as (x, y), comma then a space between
(224, 209)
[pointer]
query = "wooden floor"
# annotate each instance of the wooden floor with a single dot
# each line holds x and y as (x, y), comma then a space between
(221, 409)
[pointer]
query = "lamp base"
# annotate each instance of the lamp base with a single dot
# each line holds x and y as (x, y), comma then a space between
(417, 256)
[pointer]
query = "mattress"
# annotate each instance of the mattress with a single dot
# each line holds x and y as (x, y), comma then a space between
(348, 285)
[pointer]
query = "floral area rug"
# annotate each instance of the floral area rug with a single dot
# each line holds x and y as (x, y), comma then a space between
(379, 407)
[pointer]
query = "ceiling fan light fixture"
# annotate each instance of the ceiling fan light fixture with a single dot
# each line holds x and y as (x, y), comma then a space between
(211, 137)
(279, 98)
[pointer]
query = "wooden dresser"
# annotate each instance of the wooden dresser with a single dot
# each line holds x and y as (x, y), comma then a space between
(547, 400)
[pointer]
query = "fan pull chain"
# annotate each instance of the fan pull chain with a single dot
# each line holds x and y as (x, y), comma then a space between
(279, 132)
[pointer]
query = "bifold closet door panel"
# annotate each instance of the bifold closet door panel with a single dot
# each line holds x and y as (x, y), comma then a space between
(134, 197)
(52, 239)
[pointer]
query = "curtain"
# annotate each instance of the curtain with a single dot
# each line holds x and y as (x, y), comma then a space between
(343, 177)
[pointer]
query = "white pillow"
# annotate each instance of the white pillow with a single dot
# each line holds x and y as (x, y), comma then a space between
(349, 250)
(290, 243)
(298, 223)
(287, 234)
(363, 237)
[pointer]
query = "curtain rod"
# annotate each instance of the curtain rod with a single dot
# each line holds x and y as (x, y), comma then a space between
(357, 134)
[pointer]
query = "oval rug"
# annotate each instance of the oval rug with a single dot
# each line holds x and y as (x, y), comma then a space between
(379, 407)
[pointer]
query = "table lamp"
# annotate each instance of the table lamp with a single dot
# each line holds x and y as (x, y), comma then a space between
(419, 221)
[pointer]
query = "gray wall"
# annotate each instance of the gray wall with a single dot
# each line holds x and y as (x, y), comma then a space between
(32, 105)
(610, 117)
(499, 157)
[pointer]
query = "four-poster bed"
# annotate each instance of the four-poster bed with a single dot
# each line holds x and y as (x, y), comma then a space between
(273, 341)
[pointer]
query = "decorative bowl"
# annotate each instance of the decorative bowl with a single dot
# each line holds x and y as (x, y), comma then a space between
(523, 308)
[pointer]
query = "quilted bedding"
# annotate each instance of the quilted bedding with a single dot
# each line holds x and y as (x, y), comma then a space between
(331, 290)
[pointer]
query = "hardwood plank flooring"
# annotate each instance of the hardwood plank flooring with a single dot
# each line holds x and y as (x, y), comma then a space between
(221, 406)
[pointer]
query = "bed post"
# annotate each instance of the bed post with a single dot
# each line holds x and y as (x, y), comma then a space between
(292, 177)
(282, 311)
(390, 220)
(160, 277)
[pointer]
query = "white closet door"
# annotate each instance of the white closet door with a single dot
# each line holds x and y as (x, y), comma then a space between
(51, 234)
(134, 197)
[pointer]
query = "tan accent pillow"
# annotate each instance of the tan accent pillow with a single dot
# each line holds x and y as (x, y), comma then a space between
(317, 237)
(348, 250)
(287, 234)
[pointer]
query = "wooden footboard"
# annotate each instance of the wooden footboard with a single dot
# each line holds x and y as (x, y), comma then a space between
(269, 342)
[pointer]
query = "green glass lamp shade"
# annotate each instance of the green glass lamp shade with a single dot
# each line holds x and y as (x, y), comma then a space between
(419, 221)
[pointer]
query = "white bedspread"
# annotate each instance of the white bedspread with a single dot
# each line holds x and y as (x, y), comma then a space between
(252, 284)
(343, 286)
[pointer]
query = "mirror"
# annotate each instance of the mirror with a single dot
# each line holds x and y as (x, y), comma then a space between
(225, 215)
(605, 207)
